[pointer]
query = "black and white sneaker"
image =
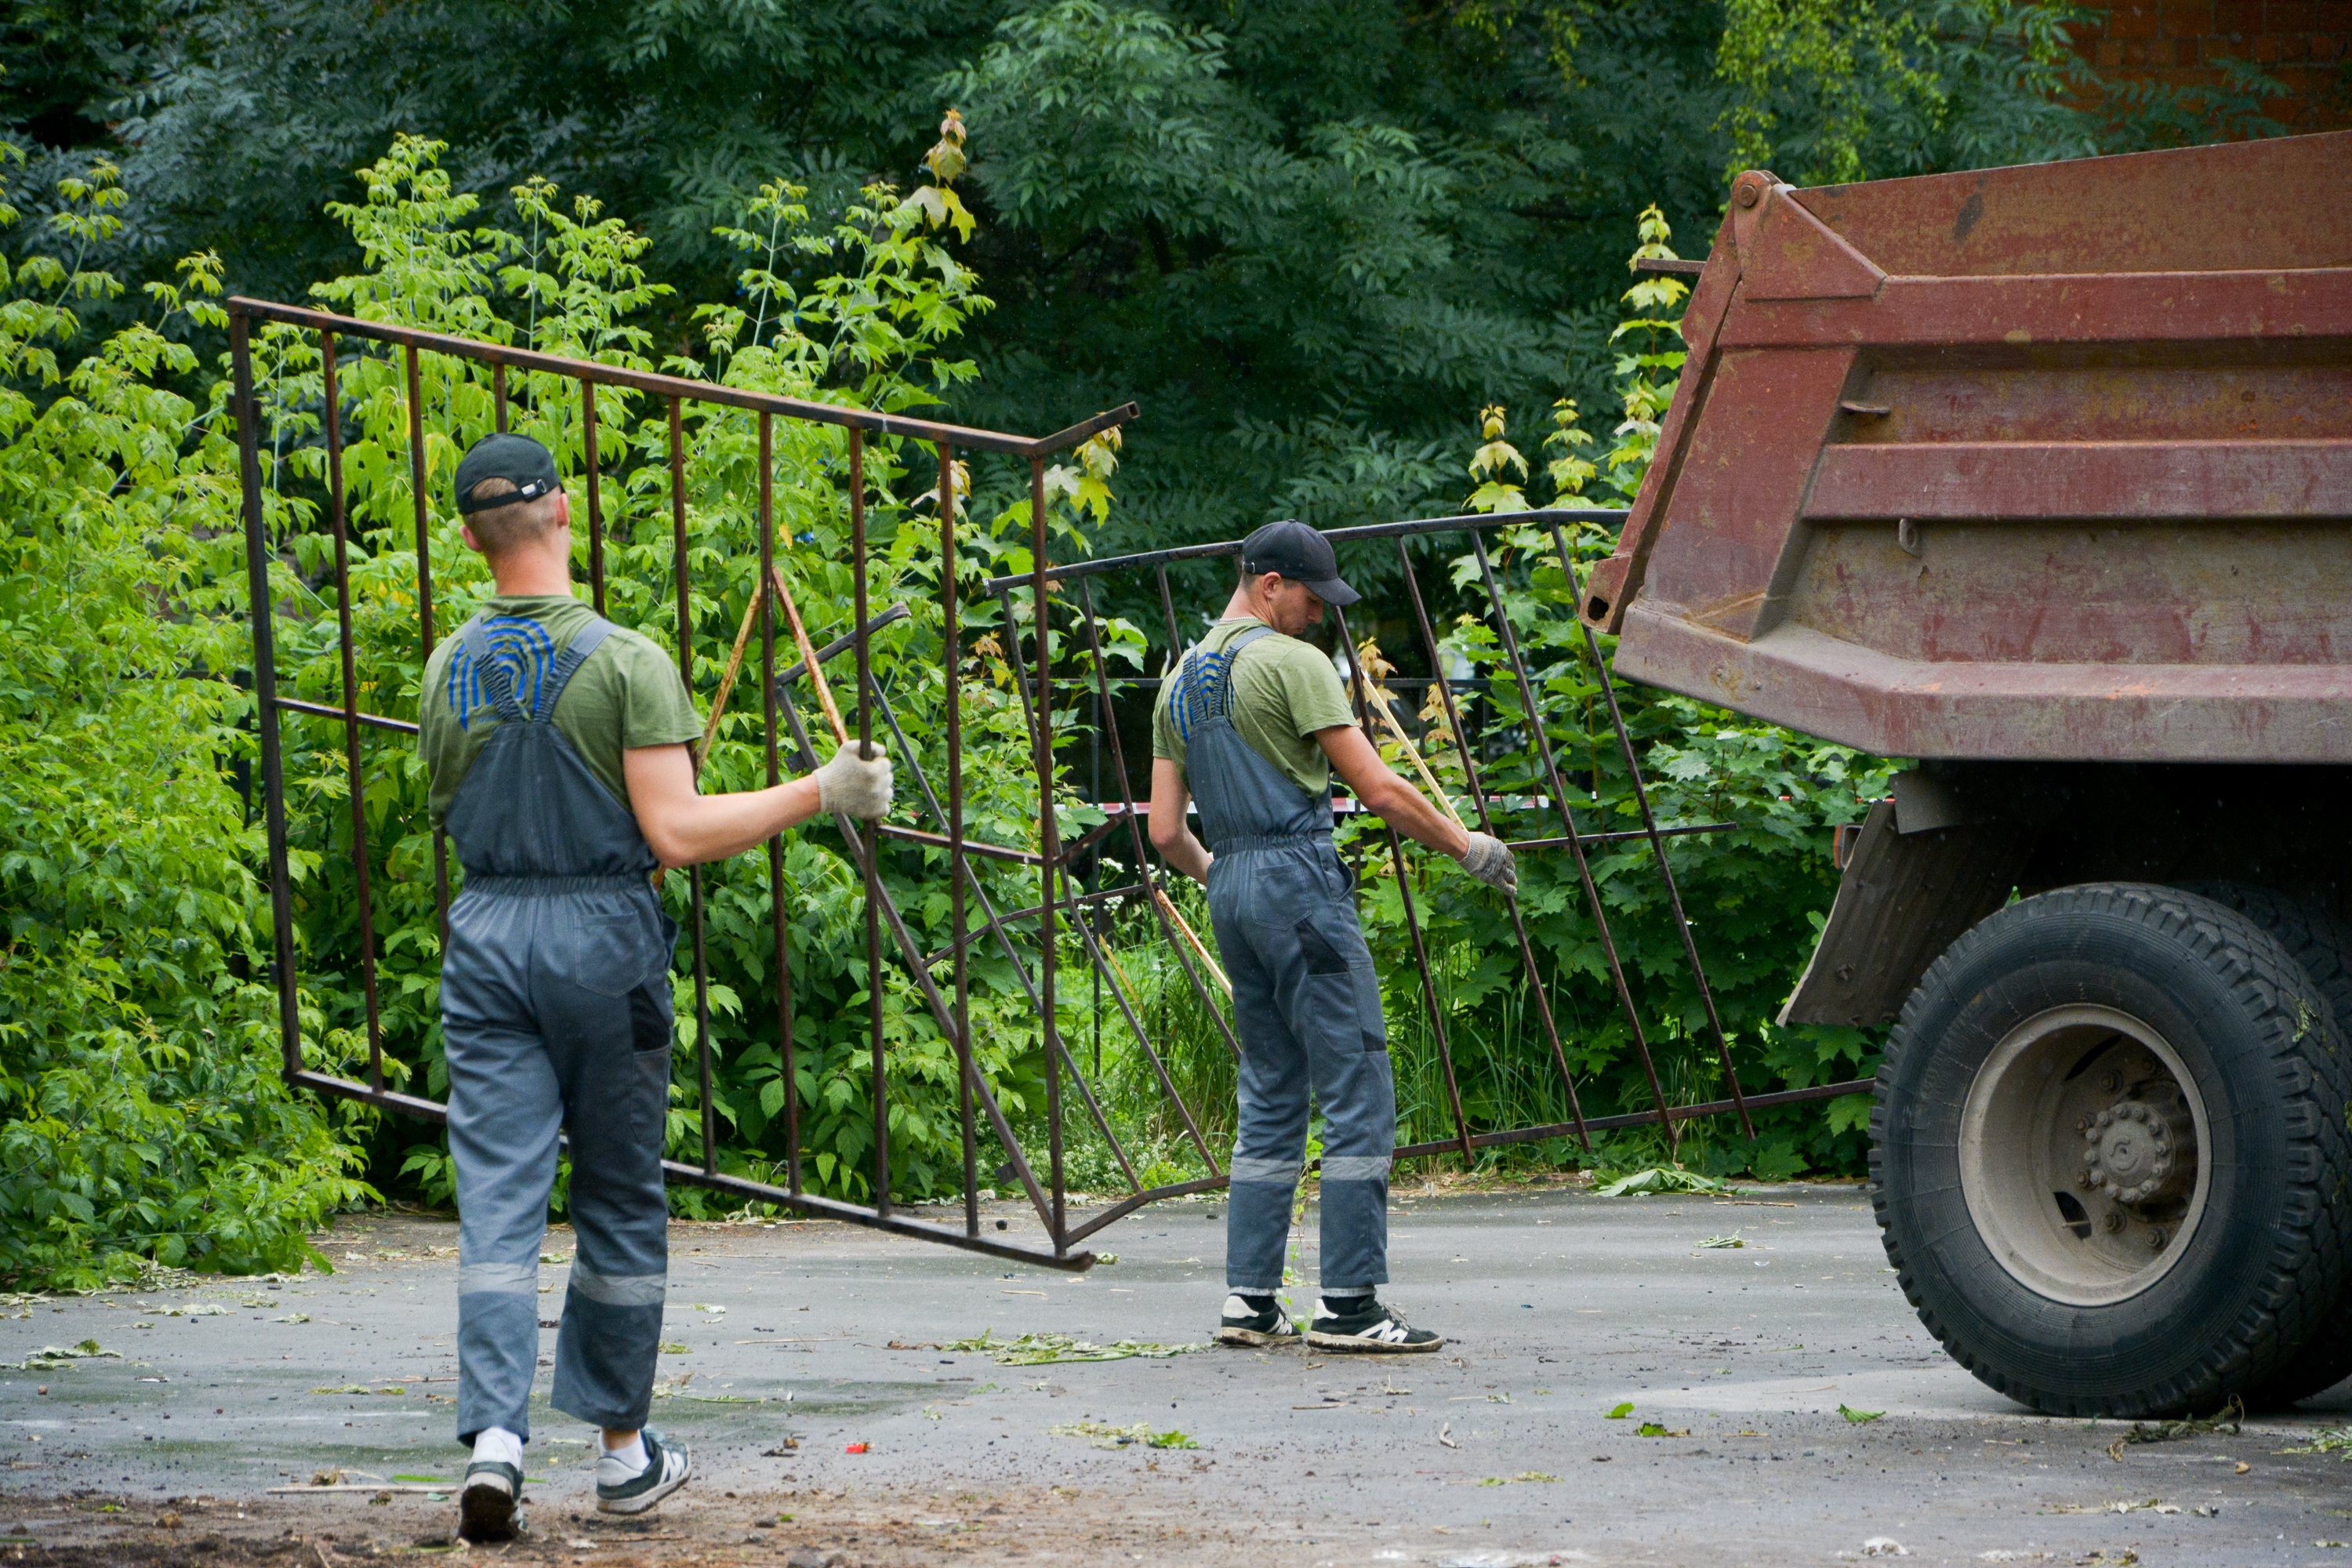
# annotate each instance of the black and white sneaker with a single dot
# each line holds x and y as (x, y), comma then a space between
(666, 1469)
(1246, 1324)
(489, 1508)
(1366, 1325)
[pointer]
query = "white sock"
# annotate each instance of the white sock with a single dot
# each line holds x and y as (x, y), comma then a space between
(495, 1444)
(630, 1458)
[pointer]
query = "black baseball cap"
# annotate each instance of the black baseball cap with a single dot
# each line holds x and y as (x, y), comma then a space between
(505, 455)
(1298, 552)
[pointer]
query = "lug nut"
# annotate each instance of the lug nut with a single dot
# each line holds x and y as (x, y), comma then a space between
(2156, 1238)
(2113, 1222)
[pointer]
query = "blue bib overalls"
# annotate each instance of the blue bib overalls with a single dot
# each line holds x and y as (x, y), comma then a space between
(1306, 1001)
(555, 1013)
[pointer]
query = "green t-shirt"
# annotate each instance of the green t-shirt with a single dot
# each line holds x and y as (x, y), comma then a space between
(628, 694)
(1283, 692)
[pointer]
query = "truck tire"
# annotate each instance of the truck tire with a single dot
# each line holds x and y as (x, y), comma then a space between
(2316, 941)
(2103, 1130)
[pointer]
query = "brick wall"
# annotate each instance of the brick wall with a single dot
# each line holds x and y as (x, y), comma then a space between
(2304, 44)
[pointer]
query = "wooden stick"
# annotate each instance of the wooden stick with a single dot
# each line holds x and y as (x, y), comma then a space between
(727, 681)
(1168, 906)
(808, 656)
(1382, 703)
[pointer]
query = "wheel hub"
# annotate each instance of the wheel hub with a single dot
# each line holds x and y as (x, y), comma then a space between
(2081, 1156)
(2133, 1151)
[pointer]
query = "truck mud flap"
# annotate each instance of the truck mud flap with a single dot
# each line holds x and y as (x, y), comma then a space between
(1904, 898)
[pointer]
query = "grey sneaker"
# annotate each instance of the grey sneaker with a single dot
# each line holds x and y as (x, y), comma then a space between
(666, 1469)
(489, 1508)
(1366, 1325)
(1244, 1324)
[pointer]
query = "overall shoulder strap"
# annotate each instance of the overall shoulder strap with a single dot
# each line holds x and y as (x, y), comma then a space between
(482, 664)
(567, 664)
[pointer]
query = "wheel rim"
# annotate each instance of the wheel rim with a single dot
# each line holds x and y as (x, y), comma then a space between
(2084, 1156)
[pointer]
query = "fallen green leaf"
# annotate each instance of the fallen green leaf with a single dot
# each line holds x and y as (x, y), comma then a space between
(1661, 1179)
(1722, 1241)
(1652, 1429)
(1858, 1416)
(1045, 1350)
(1619, 1413)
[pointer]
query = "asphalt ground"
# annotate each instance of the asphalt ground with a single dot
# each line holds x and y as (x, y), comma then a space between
(795, 1344)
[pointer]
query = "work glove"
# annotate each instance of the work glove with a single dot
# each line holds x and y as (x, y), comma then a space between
(1490, 860)
(859, 787)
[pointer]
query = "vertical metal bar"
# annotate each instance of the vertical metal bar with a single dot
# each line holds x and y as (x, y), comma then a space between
(1657, 843)
(1404, 891)
(425, 603)
(498, 394)
(1048, 846)
(1013, 661)
(1487, 825)
(686, 678)
(1167, 609)
(331, 398)
(595, 497)
(1151, 893)
(763, 595)
(951, 820)
(1533, 719)
(942, 1013)
(1142, 857)
(874, 844)
(996, 927)
(264, 694)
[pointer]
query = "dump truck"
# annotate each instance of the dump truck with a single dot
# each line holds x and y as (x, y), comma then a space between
(2039, 481)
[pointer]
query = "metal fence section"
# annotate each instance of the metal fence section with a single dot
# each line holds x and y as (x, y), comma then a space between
(1064, 653)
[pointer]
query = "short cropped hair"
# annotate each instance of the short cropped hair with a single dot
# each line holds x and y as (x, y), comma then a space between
(501, 528)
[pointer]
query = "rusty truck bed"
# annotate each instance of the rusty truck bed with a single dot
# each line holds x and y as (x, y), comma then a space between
(2042, 463)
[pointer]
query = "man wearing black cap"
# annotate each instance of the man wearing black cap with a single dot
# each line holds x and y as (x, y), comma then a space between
(1252, 726)
(556, 746)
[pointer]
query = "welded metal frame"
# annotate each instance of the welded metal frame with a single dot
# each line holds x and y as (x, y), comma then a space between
(1060, 908)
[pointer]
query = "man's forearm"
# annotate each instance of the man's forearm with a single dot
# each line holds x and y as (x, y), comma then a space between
(1187, 854)
(1408, 811)
(713, 827)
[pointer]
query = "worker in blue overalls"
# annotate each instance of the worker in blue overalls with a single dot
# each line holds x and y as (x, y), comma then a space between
(1251, 725)
(557, 746)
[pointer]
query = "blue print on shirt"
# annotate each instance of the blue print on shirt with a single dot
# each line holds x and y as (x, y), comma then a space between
(1211, 673)
(520, 647)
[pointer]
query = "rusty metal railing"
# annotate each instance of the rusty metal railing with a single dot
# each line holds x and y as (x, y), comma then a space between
(1059, 594)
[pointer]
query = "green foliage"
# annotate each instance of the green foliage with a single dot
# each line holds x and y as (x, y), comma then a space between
(141, 1116)
(1305, 236)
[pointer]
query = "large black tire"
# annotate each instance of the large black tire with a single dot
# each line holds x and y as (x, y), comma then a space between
(2190, 1007)
(2319, 942)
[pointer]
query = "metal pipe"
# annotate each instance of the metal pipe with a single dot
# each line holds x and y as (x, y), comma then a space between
(1404, 893)
(1657, 839)
(1155, 896)
(1069, 572)
(861, 419)
(994, 925)
(595, 499)
(696, 921)
(1542, 739)
(736, 1186)
(1048, 936)
(1487, 825)
(265, 692)
(952, 665)
(921, 973)
(331, 432)
(874, 858)
(423, 594)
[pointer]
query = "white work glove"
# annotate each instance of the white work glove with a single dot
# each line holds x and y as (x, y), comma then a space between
(1490, 860)
(859, 787)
